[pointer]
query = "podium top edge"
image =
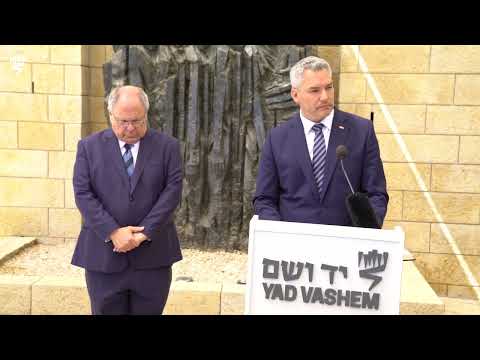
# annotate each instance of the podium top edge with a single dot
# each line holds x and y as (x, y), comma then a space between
(328, 230)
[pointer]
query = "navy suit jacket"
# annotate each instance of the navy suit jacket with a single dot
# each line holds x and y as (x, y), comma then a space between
(107, 201)
(286, 189)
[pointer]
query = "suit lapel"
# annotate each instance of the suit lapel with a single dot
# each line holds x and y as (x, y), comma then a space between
(338, 136)
(300, 149)
(143, 155)
(115, 154)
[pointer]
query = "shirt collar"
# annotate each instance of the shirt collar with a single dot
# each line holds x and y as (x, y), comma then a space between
(122, 144)
(308, 124)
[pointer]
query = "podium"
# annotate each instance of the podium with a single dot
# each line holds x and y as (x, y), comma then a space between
(299, 268)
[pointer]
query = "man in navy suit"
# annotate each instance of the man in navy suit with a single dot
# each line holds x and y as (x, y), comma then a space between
(127, 182)
(299, 178)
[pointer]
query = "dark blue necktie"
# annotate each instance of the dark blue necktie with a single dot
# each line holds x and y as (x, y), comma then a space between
(319, 156)
(128, 159)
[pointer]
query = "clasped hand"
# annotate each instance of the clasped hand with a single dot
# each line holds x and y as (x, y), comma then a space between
(127, 238)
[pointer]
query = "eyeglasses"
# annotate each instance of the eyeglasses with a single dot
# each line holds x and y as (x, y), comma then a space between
(134, 123)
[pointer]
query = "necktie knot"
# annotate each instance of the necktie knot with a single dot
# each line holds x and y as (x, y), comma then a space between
(317, 127)
(127, 146)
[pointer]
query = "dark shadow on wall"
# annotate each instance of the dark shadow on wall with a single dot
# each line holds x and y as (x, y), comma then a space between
(219, 101)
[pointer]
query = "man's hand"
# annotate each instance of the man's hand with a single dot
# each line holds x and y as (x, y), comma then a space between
(139, 237)
(123, 238)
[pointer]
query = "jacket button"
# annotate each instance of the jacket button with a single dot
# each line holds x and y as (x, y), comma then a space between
(131, 198)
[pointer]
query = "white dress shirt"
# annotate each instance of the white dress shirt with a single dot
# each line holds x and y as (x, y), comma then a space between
(133, 148)
(310, 133)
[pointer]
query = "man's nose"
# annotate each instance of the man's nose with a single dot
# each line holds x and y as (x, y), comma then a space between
(323, 94)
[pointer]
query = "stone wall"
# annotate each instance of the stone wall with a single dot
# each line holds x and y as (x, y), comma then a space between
(431, 93)
(48, 94)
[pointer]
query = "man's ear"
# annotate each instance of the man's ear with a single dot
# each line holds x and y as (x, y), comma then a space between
(294, 94)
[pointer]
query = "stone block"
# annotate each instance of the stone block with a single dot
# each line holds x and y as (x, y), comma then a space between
(446, 268)
(349, 62)
(455, 59)
(96, 82)
(422, 148)
(417, 235)
(18, 192)
(55, 295)
(455, 120)
(350, 108)
(60, 164)
(76, 80)
(466, 89)
(408, 119)
(463, 292)
(465, 238)
(69, 54)
(23, 163)
(96, 55)
(332, 54)
(64, 222)
(95, 127)
(413, 89)
(400, 176)
(15, 80)
(394, 208)
(23, 107)
(30, 53)
(68, 108)
(16, 294)
(50, 240)
(456, 178)
(193, 299)
(108, 52)
(48, 78)
(97, 110)
(8, 135)
(469, 153)
(396, 58)
(73, 133)
(416, 295)
(352, 88)
(454, 208)
(23, 221)
(40, 136)
(232, 299)
(461, 306)
(440, 289)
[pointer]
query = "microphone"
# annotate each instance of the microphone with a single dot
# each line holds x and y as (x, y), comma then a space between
(358, 204)
(342, 153)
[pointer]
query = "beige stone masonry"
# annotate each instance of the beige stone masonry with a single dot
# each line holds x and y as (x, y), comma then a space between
(23, 163)
(16, 294)
(55, 295)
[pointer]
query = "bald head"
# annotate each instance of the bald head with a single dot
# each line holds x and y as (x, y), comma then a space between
(128, 95)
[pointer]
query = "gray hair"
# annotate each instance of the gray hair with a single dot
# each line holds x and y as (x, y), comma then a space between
(115, 94)
(309, 63)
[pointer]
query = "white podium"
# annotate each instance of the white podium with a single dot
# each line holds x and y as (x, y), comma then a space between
(297, 268)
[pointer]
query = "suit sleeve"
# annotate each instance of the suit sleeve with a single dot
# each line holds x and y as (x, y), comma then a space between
(162, 212)
(92, 210)
(373, 179)
(267, 192)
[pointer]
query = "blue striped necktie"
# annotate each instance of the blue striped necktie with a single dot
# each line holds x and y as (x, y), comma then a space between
(319, 156)
(128, 159)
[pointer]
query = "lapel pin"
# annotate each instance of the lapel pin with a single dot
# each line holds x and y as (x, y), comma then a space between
(341, 127)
